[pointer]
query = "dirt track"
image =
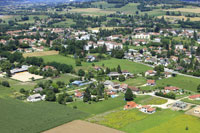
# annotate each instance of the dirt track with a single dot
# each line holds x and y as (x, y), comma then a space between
(79, 126)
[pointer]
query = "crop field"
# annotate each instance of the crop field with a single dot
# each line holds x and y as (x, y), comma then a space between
(78, 126)
(91, 11)
(34, 117)
(180, 18)
(43, 53)
(187, 9)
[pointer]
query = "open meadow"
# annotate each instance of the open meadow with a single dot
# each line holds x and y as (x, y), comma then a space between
(111, 63)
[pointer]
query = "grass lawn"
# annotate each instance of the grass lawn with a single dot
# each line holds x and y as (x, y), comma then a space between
(152, 101)
(134, 82)
(103, 106)
(191, 101)
(64, 24)
(183, 82)
(177, 125)
(111, 63)
(99, 107)
(20, 117)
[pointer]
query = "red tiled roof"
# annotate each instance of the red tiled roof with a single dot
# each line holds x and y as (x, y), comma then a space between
(194, 96)
(151, 81)
(171, 88)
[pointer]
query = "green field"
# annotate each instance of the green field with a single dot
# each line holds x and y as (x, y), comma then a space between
(99, 107)
(111, 63)
(183, 82)
(134, 121)
(134, 81)
(64, 24)
(152, 101)
(103, 106)
(191, 101)
(19, 117)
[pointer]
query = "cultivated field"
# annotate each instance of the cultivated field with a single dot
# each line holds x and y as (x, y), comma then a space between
(105, 28)
(91, 11)
(188, 9)
(20, 117)
(78, 126)
(180, 18)
(43, 53)
(25, 76)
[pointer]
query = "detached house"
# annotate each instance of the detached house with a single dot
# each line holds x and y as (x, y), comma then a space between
(147, 109)
(195, 97)
(150, 73)
(168, 89)
(35, 98)
(151, 82)
(130, 105)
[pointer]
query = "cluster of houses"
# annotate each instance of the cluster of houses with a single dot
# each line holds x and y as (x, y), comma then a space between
(143, 108)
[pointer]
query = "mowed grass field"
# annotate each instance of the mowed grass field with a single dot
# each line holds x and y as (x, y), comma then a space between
(111, 63)
(153, 101)
(103, 106)
(134, 121)
(183, 82)
(42, 53)
(20, 117)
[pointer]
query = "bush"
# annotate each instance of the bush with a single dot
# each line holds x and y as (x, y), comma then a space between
(74, 107)
(5, 83)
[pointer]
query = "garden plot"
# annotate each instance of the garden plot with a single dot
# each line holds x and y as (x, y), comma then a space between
(25, 76)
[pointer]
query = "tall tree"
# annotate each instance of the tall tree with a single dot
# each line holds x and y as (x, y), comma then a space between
(129, 95)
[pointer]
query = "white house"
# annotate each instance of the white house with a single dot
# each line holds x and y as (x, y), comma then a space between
(179, 47)
(142, 36)
(150, 73)
(147, 109)
(35, 98)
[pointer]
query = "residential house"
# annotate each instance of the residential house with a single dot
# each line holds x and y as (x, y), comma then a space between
(130, 105)
(142, 36)
(151, 82)
(134, 89)
(35, 98)
(147, 109)
(127, 74)
(113, 74)
(78, 94)
(167, 74)
(123, 87)
(195, 97)
(39, 89)
(168, 89)
(150, 73)
(46, 68)
(90, 58)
